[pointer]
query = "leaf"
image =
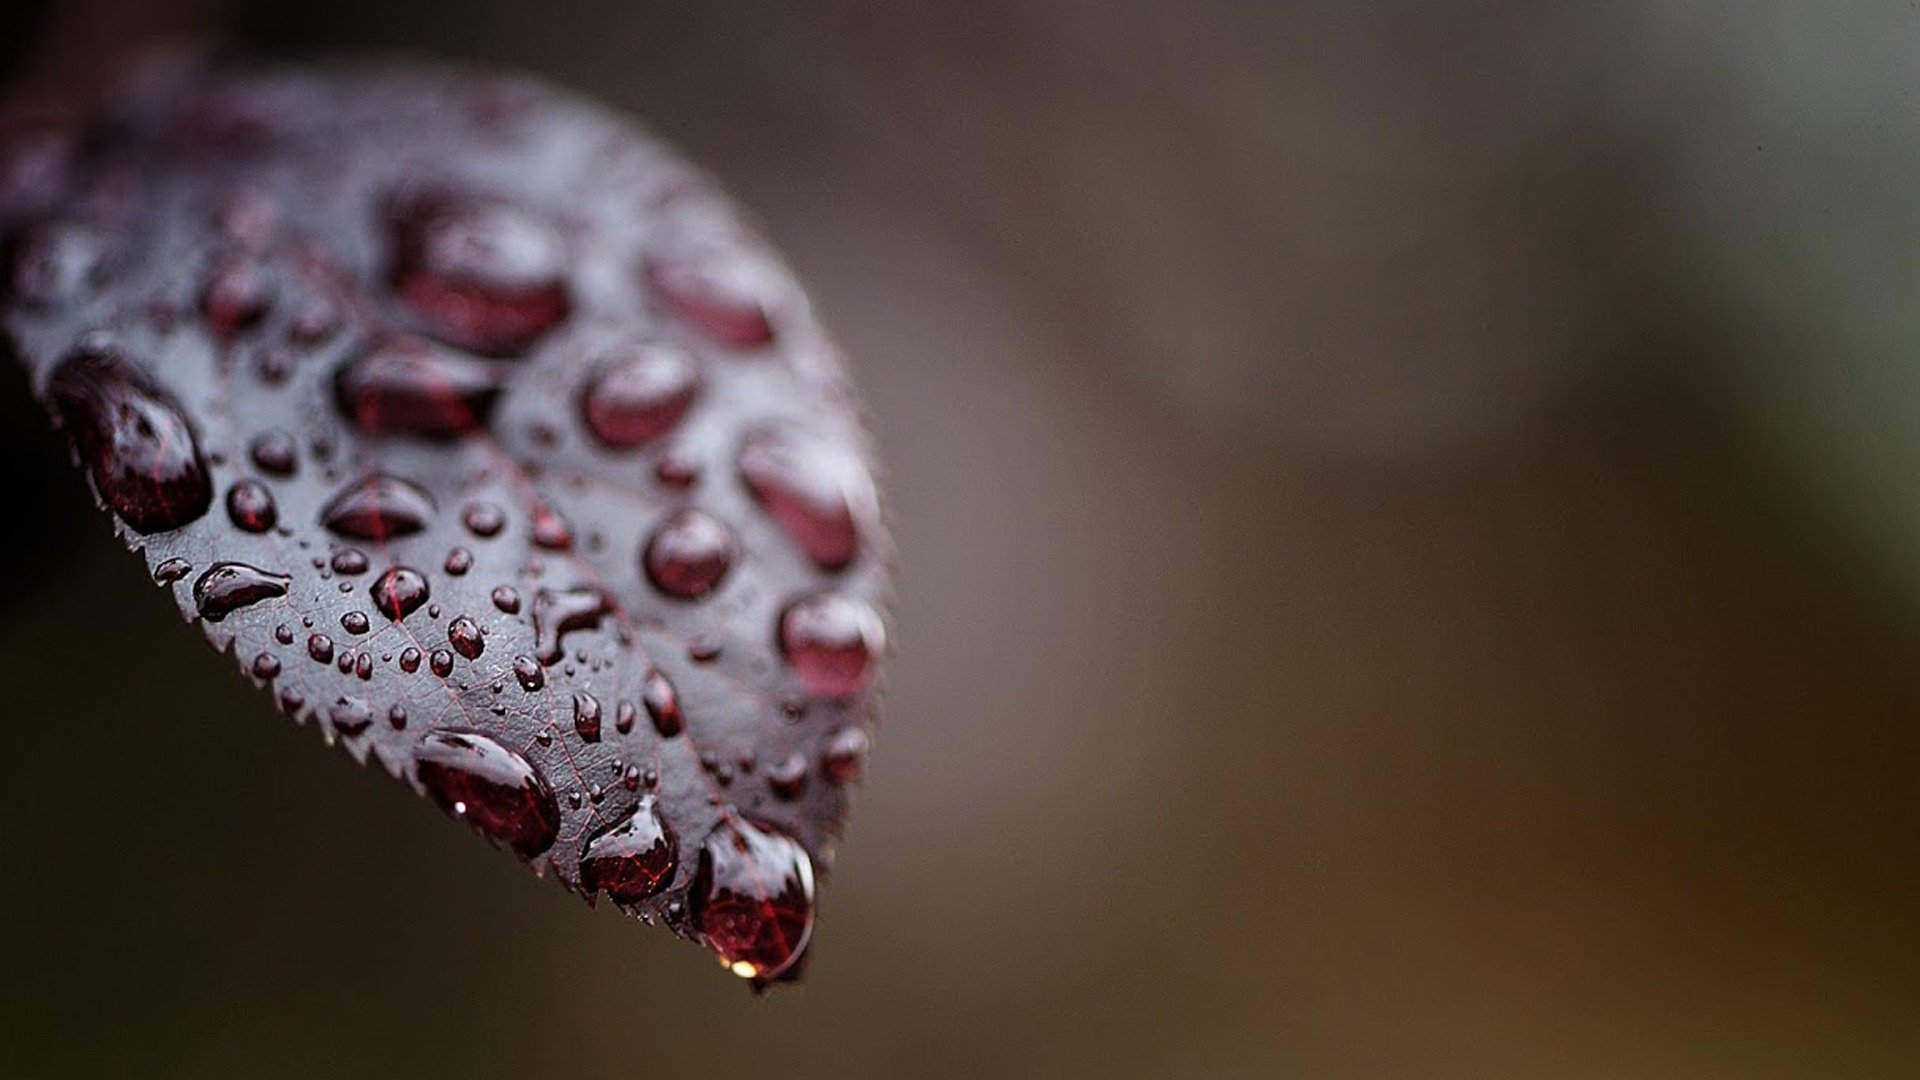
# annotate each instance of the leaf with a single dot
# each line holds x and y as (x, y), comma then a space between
(479, 429)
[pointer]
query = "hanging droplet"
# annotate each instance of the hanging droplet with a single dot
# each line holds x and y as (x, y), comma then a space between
(250, 506)
(496, 790)
(399, 592)
(640, 394)
(379, 508)
(633, 859)
(405, 387)
(482, 274)
(136, 443)
(229, 586)
(624, 714)
(689, 554)
(752, 898)
(814, 491)
(831, 642)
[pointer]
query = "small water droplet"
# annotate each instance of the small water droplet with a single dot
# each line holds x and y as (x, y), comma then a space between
(459, 561)
(495, 789)
(464, 635)
(320, 647)
(812, 490)
(266, 666)
(350, 561)
(355, 622)
(138, 447)
(507, 599)
(229, 586)
(274, 452)
(624, 714)
(531, 675)
(753, 898)
(171, 571)
(397, 717)
(317, 320)
(586, 717)
(639, 394)
(379, 508)
(410, 659)
(831, 642)
(484, 519)
(676, 472)
(441, 662)
(399, 592)
(703, 648)
(250, 506)
(482, 274)
(350, 715)
(363, 666)
(405, 387)
(283, 634)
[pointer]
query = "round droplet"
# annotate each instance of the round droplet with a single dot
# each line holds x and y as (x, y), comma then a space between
(831, 642)
(410, 659)
(137, 445)
(405, 387)
(266, 666)
(459, 561)
(633, 859)
(663, 705)
(379, 508)
(273, 452)
(845, 757)
(320, 647)
(464, 635)
(814, 491)
(640, 395)
(441, 662)
(752, 898)
(714, 295)
(399, 592)
(689, 554)
(586, 717)
(355, 622)
(495, 789)
(482, 274)
(507, 599)
(229, 586)
(484, 519)
(349, 561)
(531, 675)
(250, 506)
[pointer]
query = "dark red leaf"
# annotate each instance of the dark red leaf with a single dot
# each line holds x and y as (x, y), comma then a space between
(474, 425)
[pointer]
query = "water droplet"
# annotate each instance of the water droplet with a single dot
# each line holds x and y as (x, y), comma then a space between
(484, 519)
(482, 274)
(363, 666)
(273, 452)
(550, 530)
(715, 297)
(633, 859)
(845, 757)
(788, 777)
(355, 622)
(531, 675)
(320, 647)
(831, 642)
(410, 659)
(557, 613)
(507, 599)
(703, 648)
(266, 666)
(57, 261)
(624, 714)
(317, 320)
(496, 790)
(812, 490)
(171, 571)
(441, 662)
(350, 715)
(464, 635)
(753, 898)
(663, 705)
(236, 297)
(399, 592)
(397, 717)
(379, 508)
(689, 554)
(676, 472)
(405, 387)
(349, 561)
(229, 586)
(586, 717)
(250, 506)
(283, 634)
(137, 445)
(459, 561)
(640, 394)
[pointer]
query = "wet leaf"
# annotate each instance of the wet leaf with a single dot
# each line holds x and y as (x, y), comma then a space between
(487, 438)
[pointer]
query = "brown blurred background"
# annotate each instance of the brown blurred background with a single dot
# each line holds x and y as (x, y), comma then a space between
(1410, 524)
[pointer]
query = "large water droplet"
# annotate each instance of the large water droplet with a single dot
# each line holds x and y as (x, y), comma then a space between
(250, 506)
(559, 612)
(137, 445)
(493, 788)
(814, 491)
(405, 387)
(831, 642)
(229, 586)
(399, 592)
(753, 898)
(482, 274)
(379, 508)
(640, 395)
(689, 554)
(632, 859)
(715, 297)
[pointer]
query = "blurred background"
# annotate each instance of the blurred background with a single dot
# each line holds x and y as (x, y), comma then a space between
(1410, 530)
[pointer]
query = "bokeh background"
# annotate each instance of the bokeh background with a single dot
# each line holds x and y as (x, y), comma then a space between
(1410, 529)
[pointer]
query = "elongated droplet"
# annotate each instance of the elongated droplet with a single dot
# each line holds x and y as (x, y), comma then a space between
(481, 273)
(831, 642)
(716, 298)
(663, 705)
(753, 898)
(633, 859)
(136, 443)
(559, 612)
(689, 555)
(405, 387)
(529, 673)
(496, 790)
(379, 508)
(229, 586)
(640, 395)
(817, 493)
(586, 717)
(464, 635)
